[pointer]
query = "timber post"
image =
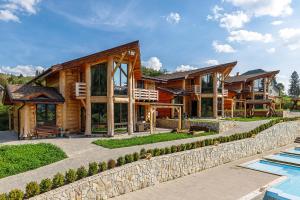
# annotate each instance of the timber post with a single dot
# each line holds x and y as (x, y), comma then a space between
(110, 95)
(131, 100)
(215, 96)
(88, 107)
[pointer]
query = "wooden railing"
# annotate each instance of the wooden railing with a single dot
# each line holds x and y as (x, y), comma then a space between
(80, 90)
(145, 94)
(193, 89)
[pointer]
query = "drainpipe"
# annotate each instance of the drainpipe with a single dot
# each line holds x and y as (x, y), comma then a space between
(19, 127)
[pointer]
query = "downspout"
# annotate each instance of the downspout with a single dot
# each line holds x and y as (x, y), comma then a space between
(19, 127)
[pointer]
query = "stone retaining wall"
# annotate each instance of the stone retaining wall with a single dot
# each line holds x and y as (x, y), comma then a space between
(159, 169)
(213, 125)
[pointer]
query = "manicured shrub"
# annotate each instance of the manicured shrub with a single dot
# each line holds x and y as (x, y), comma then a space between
(3, 196)
(142, 153)
(82, 172)
(162, 151)
(129, 158)
(173, 148)
(15, 194)
(45, 185)
(102, 166)
(70, 176)
(178, 148)
(93, 168)
(32, 189)
(136, 156)
(167, 150)
(188, 146)
(151, 151)
(194, 145)
(111, 164)
(58, 180)
(156, 152)
(183, 147)
(121, 161)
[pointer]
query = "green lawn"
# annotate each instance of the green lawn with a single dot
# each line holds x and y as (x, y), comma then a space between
(149, 139)
(16, 159)
(251, 119)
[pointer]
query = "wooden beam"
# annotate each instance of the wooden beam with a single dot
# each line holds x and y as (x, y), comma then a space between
(83, 103)
(215, 96)
(118, 64)
(62, 91)
(130, 103)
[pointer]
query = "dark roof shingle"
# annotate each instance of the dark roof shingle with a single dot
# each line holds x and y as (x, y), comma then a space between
(30, 93)
(245, 77)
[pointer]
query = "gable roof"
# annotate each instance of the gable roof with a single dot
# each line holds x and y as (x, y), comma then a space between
(250, 76)
(30, 93)
(191, 73)
(93, 58)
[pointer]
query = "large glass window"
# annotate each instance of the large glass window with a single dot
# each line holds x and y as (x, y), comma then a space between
(258, 85)
(99, 117)
(207, 83)
(140, 113)
(219, 82)
(207, 107)
(46, 114)
(120, 80)
(120, 117)
(99, 80)
(140, 84)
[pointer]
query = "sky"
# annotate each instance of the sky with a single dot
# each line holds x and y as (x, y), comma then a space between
(175, 35)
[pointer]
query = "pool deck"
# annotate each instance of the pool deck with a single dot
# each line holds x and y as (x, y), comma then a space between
(225, 182)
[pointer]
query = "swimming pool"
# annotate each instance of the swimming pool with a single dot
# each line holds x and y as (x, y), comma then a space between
(287, 189)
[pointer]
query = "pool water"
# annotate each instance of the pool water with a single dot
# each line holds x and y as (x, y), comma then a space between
(294, 151)
(289, 188)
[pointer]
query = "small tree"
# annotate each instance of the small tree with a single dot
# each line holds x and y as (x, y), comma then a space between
(294, 89)
(281, 88)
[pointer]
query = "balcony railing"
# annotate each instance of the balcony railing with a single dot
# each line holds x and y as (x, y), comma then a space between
(80, 90)
(144, 94)
(193, 89)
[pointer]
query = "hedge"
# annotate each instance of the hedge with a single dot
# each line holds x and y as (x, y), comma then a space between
(33, 188)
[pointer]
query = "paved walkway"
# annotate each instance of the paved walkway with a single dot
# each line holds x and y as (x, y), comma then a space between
(225, 182)
(81, 152)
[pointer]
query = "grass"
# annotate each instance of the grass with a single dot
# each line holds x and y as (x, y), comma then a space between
(15, 159)
(250, 119)
(149, 139)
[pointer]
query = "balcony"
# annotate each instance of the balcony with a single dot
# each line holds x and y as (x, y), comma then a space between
(225, 93)
(80, 90)
(193, 89)
(145, 95)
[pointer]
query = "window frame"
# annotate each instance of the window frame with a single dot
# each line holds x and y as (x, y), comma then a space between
(45, 121)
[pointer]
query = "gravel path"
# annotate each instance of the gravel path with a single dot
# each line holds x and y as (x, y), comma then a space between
(81, 152)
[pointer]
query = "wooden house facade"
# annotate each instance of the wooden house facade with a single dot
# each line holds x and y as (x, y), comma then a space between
(201, 91)
(96, 93)
(253, 89)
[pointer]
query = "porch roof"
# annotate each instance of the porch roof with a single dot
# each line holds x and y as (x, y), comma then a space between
(249, 77)
(33, 94)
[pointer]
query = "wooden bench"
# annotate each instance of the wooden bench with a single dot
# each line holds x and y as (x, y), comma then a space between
(45, 131)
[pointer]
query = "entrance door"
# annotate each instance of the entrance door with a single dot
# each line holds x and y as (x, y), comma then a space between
(207, 107)
(194, 107)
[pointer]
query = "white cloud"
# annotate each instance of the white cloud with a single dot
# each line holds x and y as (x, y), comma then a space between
(289, 33)
(25, 70)
(249, 36)
(229, 21)
(291, 37)
(6, 15)
(234, 20)
(153, 63)
(183, 68)
(222, 48)
(276, 22)
(173, 18)
(271, 50)
(212, 62)
(10, 10)
(274, 8)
